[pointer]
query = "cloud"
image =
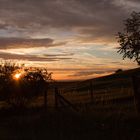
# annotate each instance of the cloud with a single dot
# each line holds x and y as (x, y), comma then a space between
(10, 56)
(91, 18)
(86, 28)
(10, 43)
(92, 72)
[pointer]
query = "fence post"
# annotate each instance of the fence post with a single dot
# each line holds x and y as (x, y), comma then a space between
(136, 87)
(45, 99)
(91, 91)
(56, 97)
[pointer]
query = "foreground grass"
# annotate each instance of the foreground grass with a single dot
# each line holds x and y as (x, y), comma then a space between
(36, 123)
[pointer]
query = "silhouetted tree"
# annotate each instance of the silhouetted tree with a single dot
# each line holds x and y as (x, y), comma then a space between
(18, 92)
(129, 39)
(6, 70)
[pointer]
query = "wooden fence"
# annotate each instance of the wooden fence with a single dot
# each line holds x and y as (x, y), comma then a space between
(90, 95)
(91, 92)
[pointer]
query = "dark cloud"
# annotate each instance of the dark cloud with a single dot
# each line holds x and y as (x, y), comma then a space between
(10, 56)
(96, 18)
(8, 43)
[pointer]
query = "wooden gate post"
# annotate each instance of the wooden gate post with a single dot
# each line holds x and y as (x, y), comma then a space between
(45, 99)
(91, 91)
(136, 87)
(56, 97)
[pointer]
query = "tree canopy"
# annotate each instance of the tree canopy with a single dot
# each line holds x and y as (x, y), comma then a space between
(129, 39)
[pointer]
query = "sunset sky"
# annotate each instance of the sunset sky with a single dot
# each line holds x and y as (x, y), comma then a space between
(74, 39)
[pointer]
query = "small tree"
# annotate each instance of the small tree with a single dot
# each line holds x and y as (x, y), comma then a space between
(6, 70)
(129, 39)
(118, 71)
(31, 83)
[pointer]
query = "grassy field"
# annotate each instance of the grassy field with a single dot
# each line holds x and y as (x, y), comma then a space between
(111, 113)
(64, 124)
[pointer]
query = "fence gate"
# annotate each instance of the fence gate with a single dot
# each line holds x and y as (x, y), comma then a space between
(59, 99)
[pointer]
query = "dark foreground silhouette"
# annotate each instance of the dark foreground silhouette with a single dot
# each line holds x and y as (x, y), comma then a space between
(65, 124)
(105, 109)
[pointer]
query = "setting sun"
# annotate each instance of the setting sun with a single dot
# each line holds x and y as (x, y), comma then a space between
(17, 75)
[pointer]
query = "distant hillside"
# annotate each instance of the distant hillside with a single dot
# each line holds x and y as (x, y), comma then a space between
(115, 80)
(122, 74)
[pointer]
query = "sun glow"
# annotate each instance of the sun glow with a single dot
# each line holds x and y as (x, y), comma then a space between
(17, 76)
